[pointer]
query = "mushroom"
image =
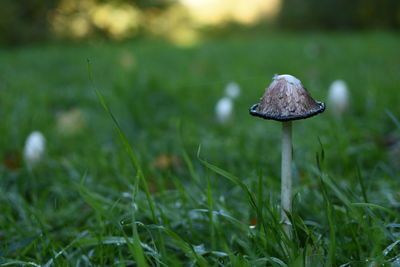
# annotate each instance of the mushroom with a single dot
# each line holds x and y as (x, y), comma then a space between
(338, 97)
(285, 100)
(224, 110)
(34, 149)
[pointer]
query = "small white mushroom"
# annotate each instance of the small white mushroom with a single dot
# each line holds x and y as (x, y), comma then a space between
(35, 147)
(224, 110)
(338, 97)
(232, 90)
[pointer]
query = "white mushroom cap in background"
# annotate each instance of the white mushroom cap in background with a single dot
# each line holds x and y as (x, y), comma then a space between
(232, 90)
(224, 110)
(35, 147)
(338, 97)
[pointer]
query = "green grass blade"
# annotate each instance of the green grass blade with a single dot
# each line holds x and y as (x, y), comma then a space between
(210, 214)
(183, 245)
(139, 254)
(233, 179)
(361, 181)
(10, 262)
(393, 118)
(108, 240)
(332, 235)
(376, 206)
(278, 233)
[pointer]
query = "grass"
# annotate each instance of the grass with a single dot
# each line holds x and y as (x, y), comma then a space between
(166, 185)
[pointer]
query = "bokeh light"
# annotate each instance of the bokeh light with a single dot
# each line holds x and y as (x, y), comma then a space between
(180, 23)
(241, 11)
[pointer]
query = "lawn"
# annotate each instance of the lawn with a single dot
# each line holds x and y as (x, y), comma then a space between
(166, 185)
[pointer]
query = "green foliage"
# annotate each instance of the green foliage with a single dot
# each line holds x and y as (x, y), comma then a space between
(143, 4)
(25, 21)
(339, 14)
(146, 4)
(101, 197)
(30, 21)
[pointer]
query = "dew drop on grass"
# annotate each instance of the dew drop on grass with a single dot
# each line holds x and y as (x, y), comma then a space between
(396, 262)
(200, 249)
(134, 206)
(178, 204)
(126, 195)
(387, 250)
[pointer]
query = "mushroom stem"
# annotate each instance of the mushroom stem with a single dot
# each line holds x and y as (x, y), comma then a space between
(286, 175)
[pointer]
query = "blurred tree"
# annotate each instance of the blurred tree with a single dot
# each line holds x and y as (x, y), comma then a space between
(145, 4)
(27, 21)
(339, 14)
(22, 21)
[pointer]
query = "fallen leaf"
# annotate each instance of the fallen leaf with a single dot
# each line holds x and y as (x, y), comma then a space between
(166, 161)
(71, 122)
(12, 160)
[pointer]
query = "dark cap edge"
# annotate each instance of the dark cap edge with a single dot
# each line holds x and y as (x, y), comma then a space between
(253, 111)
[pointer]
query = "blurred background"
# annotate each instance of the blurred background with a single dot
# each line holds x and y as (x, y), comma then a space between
(181, 58)
(184, 21)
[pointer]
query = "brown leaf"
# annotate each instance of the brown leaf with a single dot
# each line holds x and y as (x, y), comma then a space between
(166, 161)
(12, 160)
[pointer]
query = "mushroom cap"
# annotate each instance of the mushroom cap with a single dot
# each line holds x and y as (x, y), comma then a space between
(286, 99)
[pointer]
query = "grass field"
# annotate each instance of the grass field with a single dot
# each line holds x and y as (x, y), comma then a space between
(192, 192)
